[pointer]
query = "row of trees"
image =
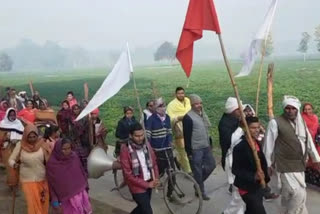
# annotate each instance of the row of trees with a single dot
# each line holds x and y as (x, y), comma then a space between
(306, 38)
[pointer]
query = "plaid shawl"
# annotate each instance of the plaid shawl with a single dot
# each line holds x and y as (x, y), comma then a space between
(133, 147)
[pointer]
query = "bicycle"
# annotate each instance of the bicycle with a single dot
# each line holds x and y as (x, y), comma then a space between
(184, 196)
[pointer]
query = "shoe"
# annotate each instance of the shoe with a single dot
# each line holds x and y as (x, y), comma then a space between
(205, 197)
(230, 189)
(270, 196)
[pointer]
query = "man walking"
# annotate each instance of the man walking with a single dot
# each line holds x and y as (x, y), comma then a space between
(139, 169)
(176, 109)
(228, 125)
(247, 178)
(197, 143)
(287, 146)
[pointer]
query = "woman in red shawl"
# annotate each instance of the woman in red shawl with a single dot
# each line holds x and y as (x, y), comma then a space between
(28, 114)
(312, 171)
(67, 180)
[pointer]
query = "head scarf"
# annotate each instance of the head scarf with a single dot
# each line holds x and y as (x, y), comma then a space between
(65, 173)
(95, 111)
(250, 107)
(3, 109)
(26, 146)
(15, 127)
(160, 107)
(45, 103)
(231, 105)
(300, 126)
(312, 121)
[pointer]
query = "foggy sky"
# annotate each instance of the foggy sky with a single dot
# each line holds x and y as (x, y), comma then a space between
(105, 24)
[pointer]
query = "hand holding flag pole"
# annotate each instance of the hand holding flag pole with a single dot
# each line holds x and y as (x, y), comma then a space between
(201, 15)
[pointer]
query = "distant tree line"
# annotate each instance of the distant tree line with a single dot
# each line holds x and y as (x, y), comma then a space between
(30, 55)
(305, 40)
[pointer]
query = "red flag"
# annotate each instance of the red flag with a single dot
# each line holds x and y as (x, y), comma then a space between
(201, 16)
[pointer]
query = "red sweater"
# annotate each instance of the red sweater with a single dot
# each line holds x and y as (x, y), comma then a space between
(136, 184)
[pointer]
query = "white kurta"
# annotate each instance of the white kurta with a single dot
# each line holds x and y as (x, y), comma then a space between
(294, 178)
(293, 184)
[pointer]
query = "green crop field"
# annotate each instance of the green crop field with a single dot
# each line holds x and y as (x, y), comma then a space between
(210, 81)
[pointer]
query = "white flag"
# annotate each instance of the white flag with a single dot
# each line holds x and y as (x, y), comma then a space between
(119, 76)
(256, 43)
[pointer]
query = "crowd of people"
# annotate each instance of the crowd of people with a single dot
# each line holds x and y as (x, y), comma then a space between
(43, 151)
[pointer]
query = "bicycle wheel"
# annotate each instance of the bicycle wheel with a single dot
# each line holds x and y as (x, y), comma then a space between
(121, 186)
(182, 194)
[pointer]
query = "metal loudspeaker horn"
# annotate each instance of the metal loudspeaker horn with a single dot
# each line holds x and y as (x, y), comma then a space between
(99, 162)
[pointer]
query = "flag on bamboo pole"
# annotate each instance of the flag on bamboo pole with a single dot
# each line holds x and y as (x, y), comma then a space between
(119, 76)
(201, 15)
(258, 40)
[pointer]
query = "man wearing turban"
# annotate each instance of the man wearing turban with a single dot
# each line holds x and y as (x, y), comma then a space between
(288, 144)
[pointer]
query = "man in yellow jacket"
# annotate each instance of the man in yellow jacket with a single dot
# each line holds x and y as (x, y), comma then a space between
(176, 109)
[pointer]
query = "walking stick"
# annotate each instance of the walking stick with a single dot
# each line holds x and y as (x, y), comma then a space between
(235, 88)
(13, 200)
(270, 90)
(86, 97)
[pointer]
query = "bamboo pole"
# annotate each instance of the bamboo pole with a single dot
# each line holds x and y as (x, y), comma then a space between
(31, 87)
(141, 116)
(13, 199)
(155, 91)
(86, 97)
(263, 53)
(236, 92)
(270, 90)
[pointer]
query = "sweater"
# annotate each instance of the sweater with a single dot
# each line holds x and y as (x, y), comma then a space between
(32, 167)
(159, 133)
(196, 134)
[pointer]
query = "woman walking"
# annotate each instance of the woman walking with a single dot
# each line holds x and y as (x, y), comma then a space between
(30, 156)
(67, 180)
(64, 118)
(11, 130)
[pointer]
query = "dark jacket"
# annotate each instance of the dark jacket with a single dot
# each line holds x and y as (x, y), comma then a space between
(136, 184)
(227, 125)
(244, 167)
(122, 131)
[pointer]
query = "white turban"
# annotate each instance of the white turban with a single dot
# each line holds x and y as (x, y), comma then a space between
(231, 105)
(300, 127)
(292, 101)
